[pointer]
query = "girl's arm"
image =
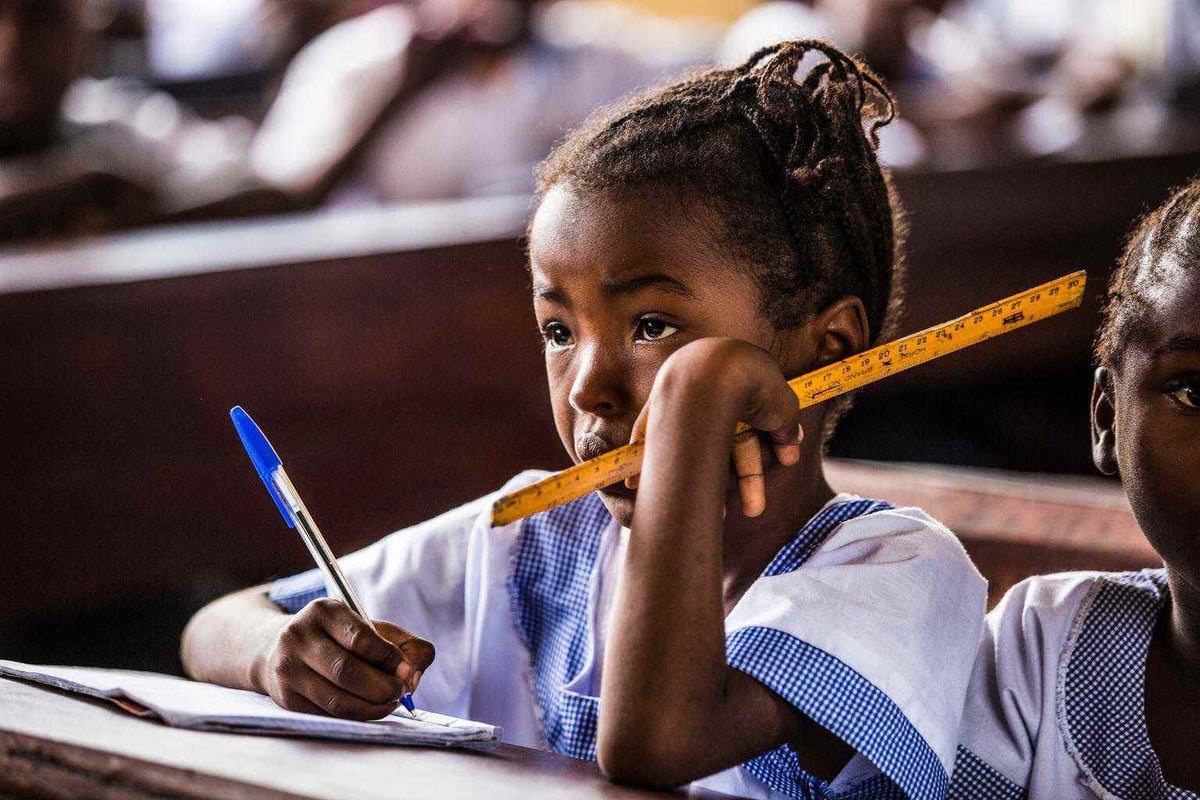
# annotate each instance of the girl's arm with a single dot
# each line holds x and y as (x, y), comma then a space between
(671, 709)
(322, 660)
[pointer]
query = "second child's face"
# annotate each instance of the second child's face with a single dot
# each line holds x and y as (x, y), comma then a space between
(620, 283)
(1154, 423)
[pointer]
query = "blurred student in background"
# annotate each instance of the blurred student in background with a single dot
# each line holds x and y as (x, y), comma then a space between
(496, 82)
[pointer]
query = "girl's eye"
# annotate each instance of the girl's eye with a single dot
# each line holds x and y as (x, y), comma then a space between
(650, 329)
(1188, 396)
(556, 335)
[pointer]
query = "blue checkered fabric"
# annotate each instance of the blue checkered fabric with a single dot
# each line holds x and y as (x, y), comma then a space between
(554, 559)
(877, 787)
(817, 530)
(974, 779)
(837, 697)
(296, 591)
(1102, 687)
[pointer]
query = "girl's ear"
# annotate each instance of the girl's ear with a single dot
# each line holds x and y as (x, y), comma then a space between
(837, 331)
(1104, 423)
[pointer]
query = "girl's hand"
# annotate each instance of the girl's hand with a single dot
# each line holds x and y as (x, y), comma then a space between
(326, 660)
(731, 373)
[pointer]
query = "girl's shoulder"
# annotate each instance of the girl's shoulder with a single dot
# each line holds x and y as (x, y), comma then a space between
(899, 535)
(1063, 655)
(1066, 600)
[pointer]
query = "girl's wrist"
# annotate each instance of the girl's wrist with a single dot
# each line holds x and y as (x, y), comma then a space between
(264, 638)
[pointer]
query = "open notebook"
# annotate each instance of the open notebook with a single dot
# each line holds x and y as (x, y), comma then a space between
(206, 707)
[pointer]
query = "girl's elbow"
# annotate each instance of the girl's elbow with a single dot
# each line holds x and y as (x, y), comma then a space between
(636, 761)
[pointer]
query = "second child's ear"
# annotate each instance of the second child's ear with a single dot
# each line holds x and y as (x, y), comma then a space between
(1104, 423)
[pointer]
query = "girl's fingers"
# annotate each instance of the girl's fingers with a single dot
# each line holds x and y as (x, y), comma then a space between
(294, 701)
(786, 443)
(639, 433)
(336, 702)
(748, 464)
(353, 634)
(353, 675)
(418, 653)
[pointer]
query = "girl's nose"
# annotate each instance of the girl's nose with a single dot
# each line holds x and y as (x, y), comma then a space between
(601, 384)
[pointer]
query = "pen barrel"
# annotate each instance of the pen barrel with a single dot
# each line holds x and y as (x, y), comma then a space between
(335, 580)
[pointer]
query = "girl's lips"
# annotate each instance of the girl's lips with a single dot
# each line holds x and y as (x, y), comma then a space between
(619, 490)
(591, 445)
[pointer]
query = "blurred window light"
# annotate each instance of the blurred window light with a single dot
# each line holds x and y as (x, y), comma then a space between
(774, 22)
(158, 117)
(1136, 29)
(189, 39)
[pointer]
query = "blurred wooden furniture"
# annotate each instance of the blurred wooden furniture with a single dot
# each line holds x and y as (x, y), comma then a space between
(1013, 525)
(391, 356)
(54, 746)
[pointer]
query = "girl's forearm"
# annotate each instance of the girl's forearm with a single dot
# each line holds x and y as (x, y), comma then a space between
(667, 652)
(224, 640)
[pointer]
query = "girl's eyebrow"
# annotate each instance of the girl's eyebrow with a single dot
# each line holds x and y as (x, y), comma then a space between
(613, 288)
(552, 294)
(1179, 343)
(655, 279)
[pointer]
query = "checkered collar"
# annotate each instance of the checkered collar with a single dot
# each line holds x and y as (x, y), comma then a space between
(1101, 681)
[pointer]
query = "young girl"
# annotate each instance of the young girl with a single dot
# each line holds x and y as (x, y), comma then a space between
(1088, 684)
(692, 248)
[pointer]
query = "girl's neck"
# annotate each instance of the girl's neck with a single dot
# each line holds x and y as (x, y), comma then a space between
(794, 495)
(1183, 628)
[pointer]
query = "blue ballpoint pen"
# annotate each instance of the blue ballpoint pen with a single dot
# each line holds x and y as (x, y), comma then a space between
(296, 515)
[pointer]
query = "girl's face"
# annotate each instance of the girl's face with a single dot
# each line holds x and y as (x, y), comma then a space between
(1149, 430)
(620, 283)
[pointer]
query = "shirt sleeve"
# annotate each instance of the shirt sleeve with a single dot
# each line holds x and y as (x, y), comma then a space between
(1011, 696)
(873, 637)
(416, 578)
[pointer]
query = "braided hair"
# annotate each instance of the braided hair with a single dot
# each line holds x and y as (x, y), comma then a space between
(1164, 240)
(786, 163)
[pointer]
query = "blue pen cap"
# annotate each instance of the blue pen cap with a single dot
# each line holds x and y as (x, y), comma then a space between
(262, 455)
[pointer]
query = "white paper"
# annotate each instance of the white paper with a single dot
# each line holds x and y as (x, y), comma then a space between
(204, 706)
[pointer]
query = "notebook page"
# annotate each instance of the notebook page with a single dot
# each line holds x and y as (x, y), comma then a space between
(204, 706)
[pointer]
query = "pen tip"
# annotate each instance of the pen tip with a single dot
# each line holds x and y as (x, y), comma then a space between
(407, 701)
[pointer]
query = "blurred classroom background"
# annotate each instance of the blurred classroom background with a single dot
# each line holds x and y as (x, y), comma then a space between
(314, 209)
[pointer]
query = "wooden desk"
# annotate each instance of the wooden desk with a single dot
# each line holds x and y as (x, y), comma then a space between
(1013, 524)
(55, 746)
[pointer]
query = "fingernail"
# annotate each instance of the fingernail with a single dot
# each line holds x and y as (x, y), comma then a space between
(416, 679)
(631, 482)
(404, 671)
(752, 489)
(752, 507)
(799, 434)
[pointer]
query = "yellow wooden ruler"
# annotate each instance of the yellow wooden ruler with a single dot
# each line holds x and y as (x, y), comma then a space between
(838, 378)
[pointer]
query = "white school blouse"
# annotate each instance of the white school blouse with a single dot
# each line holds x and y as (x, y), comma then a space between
(867, 622)
(1055, 710)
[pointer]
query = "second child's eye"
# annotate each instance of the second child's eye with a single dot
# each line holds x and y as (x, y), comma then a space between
(650, 329)
(1188, 396)
(557, 335)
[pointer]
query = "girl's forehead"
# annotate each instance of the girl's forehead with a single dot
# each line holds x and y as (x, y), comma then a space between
(1165, 300)
(1171, 290)
(608, 237)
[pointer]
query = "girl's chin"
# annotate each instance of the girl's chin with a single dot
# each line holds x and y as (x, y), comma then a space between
(619, 503)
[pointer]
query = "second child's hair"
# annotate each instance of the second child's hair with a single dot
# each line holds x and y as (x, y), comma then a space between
(1166, 239)
(784, 167)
